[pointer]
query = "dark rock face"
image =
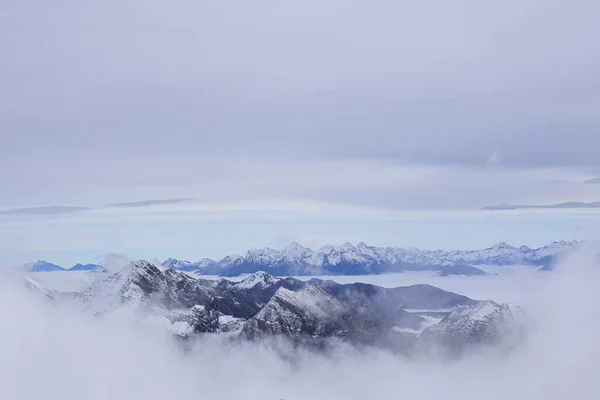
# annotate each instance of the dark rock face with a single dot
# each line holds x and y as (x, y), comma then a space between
(388, 306)
(143, 285)
(311, 313)
(305, 312)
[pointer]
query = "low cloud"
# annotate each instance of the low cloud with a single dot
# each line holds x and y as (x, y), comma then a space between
(568, 205)
(61, 210)
(43, 211)
(41, 345)
(593, 181)
(148, 203)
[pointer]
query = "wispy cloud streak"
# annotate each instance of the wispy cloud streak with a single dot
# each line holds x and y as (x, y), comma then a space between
(148, 203)
(568, 205)
(43, 211)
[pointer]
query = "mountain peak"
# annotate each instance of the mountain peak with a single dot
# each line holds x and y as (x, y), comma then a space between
(310, 300)
(259, 279)
(347, 246)
(43, 266)
(143, 265)
(502, 245)
(295, 249)
(87, 267)
(294, 246)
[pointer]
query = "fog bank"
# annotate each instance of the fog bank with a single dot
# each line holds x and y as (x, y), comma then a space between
(52, 352)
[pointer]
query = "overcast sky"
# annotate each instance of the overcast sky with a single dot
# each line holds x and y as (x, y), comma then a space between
(413, 108)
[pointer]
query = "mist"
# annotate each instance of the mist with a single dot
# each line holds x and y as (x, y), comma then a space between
(51, 351)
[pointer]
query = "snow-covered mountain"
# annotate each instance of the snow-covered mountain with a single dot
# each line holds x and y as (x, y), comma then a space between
(484, 322)
(311, 315)
(364, 259)
(307, 313)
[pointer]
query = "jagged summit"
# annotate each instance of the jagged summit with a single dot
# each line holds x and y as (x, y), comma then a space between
(260, 279)
(126, 286)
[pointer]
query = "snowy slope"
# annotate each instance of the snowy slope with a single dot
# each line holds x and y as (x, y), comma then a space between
(38, 288)
(116, 290)
(310, 315)
(485, 322)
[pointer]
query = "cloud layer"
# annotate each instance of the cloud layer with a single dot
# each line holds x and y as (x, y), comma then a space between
(41, 345)
(123, 100)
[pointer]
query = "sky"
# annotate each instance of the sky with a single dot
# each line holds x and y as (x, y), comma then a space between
(195, 128)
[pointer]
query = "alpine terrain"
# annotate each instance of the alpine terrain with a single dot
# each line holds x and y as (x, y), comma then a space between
(309, 313)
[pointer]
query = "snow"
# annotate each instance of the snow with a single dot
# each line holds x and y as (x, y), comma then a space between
(488, 316)
(479, 312)
(36, 285)
(225, 319)
(181, 328)
(311, 300)
(114, 290)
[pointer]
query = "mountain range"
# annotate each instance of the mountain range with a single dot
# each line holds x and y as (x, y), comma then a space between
(45, 266)
(361, 259)
(309, 313)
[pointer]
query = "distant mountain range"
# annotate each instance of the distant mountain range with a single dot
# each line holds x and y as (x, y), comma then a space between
(308, 313)
(361, 259)
(45, 266)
